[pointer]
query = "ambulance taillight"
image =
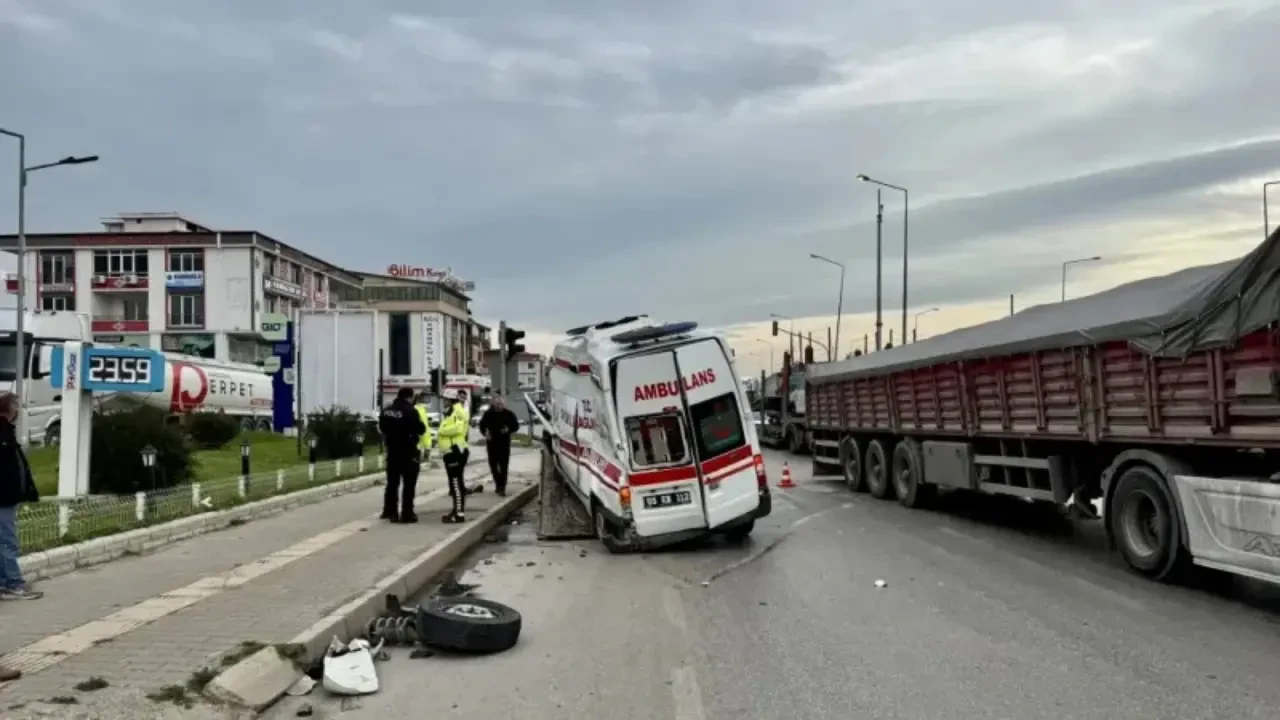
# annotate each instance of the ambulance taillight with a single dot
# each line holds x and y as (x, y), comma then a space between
(762, 479)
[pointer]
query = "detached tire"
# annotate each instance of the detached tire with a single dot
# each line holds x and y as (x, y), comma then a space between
(1143, 521)
(908, 475)
(851, 463)
(469, 625)
(877, 471)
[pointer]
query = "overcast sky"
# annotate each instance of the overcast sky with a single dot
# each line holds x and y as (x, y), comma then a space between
(582, 160)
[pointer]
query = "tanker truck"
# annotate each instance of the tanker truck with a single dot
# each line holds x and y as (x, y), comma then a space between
(191, 384)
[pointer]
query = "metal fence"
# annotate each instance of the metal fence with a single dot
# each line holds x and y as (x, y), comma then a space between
(59, 521)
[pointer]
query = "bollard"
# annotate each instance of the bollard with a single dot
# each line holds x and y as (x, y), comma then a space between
(195, 496)
(242, 485)
(360, 464)
(381, 460)
(140, 505)
(337, 467)
(280, 480)
(311, 472)
(64, 519)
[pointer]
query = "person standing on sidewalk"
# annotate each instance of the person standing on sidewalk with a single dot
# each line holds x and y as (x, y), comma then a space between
(401, 429)
(497, 425)
(16, 487)
(452, 441)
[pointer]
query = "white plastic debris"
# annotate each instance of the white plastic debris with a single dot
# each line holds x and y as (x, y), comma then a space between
(348, 669)
(304, 685)
(881, 584)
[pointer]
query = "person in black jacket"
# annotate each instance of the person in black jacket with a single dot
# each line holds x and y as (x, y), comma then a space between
(497, 424)
(16, 487)
(401, 429)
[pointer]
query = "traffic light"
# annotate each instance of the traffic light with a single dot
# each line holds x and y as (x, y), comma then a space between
(510, 340)
(437, 380)
(775, 328)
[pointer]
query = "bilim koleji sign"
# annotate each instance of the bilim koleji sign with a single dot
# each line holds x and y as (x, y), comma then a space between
(433, 340)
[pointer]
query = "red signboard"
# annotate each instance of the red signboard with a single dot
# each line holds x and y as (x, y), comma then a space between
(121, 326)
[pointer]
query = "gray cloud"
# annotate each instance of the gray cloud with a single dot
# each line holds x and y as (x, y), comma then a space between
(579, 160)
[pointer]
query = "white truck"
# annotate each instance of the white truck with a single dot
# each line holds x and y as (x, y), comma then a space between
(191, 384)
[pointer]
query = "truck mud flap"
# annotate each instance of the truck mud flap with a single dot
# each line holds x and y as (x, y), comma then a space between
(561, 515)
(1232, 525)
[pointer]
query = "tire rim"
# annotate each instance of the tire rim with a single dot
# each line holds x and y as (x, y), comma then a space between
(875, 470)
(852, 467)
(1142, 525)
(467, 610)
(902, 473)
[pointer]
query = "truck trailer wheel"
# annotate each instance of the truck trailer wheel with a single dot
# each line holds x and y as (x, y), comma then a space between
(908, 475)
(1144, 523)
(877, 471)
(851, 463)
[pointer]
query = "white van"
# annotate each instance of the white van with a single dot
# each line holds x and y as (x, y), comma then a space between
(650, 427)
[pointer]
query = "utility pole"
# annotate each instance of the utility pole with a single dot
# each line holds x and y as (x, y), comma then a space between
(1010, 304)
(879, 261)
(502, 358)
(830, 347)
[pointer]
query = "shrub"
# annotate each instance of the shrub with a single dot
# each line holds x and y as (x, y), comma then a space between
(335, 430)
(212, 430)
(118, 438)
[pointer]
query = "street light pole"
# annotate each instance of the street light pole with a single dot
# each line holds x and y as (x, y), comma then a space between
(916, 324)
(906, 215)
(791, 332)
(766, 342)
(20, 362)
(1266, 225)
(835, 346)
(1073, 262)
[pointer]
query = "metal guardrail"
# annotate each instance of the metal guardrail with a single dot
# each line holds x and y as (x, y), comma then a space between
(62, 521)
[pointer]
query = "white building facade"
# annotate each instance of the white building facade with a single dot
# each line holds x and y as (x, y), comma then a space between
(159, 280)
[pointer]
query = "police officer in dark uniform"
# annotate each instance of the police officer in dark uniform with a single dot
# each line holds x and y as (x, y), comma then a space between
(401, 428)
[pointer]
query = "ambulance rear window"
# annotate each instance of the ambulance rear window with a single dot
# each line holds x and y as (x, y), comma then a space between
(718, 425)
(657, 440)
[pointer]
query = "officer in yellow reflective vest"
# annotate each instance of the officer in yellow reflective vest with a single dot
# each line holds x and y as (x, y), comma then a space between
(452, 440)
(428, 437)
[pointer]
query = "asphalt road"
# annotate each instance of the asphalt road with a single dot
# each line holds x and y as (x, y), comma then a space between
(987, 611)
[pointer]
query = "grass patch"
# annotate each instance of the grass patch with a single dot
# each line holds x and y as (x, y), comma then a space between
(245, 649)
(270, 452)
(200, 678)
(175, 694)
(93, 683)
(63, 700)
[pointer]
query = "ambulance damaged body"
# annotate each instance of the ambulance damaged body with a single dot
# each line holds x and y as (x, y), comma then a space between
(649, 429)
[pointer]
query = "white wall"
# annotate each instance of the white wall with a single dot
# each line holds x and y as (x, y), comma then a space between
(228, 307)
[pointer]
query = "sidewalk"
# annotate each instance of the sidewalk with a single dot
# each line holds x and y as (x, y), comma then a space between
(143, 623)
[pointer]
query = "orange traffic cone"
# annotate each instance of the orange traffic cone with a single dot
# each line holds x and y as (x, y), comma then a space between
(786, 482)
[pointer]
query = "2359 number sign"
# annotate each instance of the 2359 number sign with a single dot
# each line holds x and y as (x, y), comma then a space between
(119, 370)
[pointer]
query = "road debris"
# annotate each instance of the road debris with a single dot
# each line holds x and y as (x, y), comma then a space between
(303, 686)
(305, 710)
(881, 584)
(348, 669)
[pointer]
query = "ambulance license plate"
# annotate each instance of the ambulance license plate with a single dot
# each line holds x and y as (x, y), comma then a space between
(671, 499)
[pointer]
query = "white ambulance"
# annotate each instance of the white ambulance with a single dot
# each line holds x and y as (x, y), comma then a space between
(650, 428)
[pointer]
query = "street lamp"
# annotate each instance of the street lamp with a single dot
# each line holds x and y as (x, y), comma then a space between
(20, 363)
(149, 462)
(906, 202)
(1266, 226)
(766, 342)
(916, 321)
(1073, 262)
(835, 349)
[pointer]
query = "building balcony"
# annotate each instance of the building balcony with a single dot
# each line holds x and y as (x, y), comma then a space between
(123, 281)
(117, 324)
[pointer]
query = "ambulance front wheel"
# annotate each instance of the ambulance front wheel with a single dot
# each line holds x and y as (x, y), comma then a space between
(605, 532)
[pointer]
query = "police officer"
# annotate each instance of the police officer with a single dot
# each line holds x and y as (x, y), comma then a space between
(401, 429)
(452, 440)
(424, 413)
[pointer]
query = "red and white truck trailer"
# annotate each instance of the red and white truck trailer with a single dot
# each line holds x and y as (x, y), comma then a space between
(1154, 406)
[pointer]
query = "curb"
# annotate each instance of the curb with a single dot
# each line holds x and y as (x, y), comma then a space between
(259, 680)
(44, 564)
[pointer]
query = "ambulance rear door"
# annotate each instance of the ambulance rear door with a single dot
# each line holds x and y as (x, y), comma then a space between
(666, 492)
(723, 449)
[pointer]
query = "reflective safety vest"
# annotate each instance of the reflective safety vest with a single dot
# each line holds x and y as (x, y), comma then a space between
(425, 442)
(454, 429)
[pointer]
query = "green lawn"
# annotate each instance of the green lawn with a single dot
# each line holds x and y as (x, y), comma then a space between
(269, 453)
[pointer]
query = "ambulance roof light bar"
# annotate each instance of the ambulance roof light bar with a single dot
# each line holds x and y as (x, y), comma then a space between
(654, 333)
(572, 332)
